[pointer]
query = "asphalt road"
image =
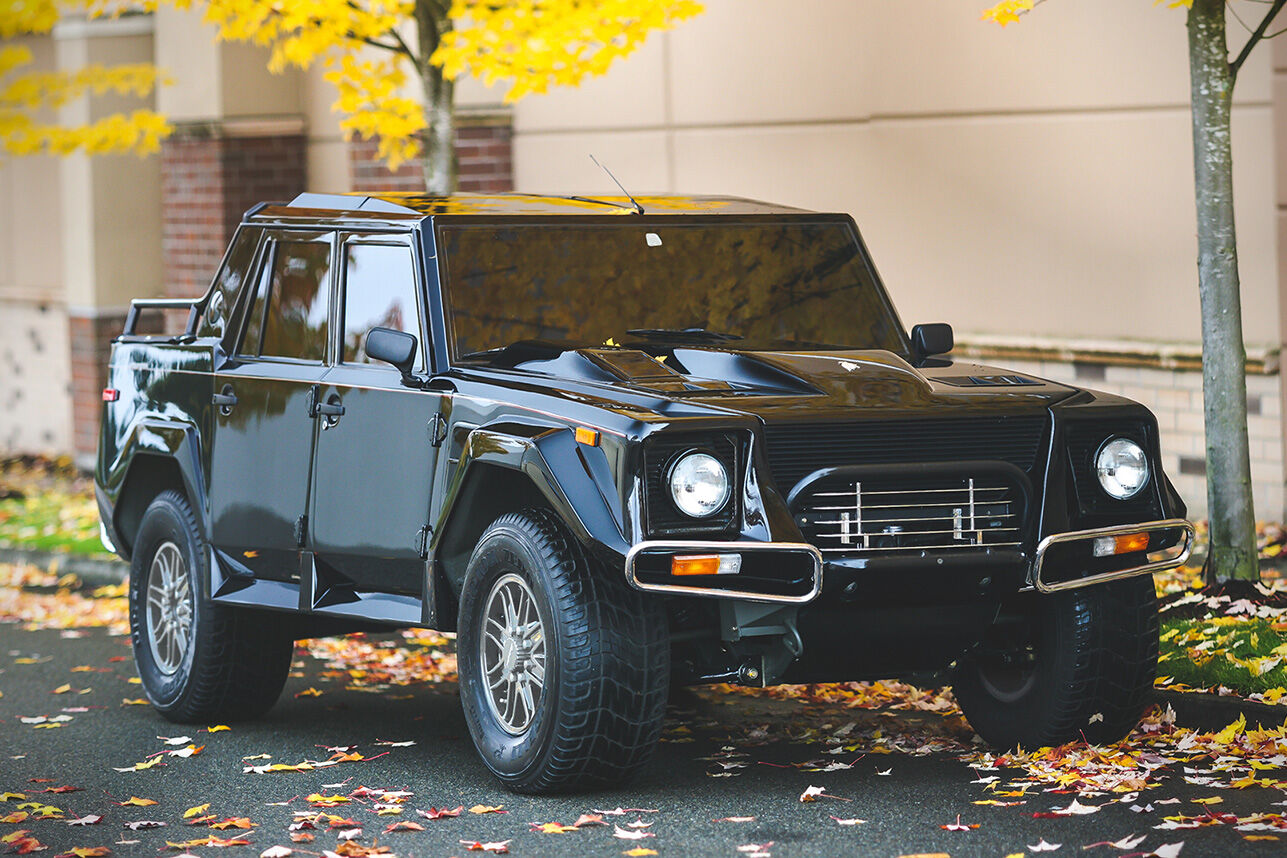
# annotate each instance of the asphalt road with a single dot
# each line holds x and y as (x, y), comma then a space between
(905, 799)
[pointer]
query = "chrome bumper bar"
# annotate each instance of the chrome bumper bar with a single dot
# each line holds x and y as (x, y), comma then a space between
(694, 547)
(1159, 565)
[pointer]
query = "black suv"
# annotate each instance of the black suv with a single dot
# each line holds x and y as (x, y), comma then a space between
(615, 447)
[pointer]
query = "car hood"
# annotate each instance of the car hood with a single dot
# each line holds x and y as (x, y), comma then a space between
(784, 386)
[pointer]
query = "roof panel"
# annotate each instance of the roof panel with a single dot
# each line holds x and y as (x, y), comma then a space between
(533, 204)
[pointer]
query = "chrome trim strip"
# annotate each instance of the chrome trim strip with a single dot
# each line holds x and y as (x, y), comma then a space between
(1122, 530)
(724, 548)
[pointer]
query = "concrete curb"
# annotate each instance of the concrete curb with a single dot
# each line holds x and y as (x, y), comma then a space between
(1203, 711)
(93, 571)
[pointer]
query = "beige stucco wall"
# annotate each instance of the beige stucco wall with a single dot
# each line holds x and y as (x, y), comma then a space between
(110, 204)
(1035, 180)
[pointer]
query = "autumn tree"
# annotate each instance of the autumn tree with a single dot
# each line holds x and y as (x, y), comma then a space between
(1213, 71)
(375, 50)
(29, 98)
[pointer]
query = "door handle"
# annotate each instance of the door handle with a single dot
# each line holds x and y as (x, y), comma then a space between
(225, 399)
(331, 411)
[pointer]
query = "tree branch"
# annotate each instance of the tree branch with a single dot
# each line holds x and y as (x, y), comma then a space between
(1255, 37)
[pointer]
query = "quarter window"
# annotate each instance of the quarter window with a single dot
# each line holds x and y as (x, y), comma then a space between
(379, 291)
(289, 316)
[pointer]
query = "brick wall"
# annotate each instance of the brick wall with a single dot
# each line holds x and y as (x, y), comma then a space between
(91, 344)
(1175, 397)
(208, 179)
(484, 156)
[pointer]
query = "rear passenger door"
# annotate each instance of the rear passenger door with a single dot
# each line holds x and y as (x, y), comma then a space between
(375, 462)
(264, 427)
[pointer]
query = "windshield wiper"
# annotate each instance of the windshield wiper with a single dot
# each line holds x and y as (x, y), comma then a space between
(700, 335)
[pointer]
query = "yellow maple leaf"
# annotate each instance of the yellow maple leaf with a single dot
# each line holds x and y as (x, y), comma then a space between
(195, 811)
(1227, 735)
(487, 808)
(217, 728)
(135, 801)
(639, 852)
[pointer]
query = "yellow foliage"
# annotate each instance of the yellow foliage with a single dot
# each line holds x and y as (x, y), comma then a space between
(28, 97)
(1008, 11)
(536, 44)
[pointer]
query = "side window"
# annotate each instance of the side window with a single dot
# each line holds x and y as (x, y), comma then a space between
(379, 291)
(288, 316)
(223, 297)
(257, 301)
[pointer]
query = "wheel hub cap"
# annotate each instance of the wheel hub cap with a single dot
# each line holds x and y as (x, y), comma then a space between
(169, 608)
(512, 653)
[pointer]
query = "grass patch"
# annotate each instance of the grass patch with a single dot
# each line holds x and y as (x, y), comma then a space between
(1245, 654)
(47, 505)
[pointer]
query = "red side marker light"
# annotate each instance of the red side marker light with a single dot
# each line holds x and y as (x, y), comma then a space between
(111, 394)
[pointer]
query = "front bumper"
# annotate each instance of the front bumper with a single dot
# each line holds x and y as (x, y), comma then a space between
(787, 573)
(1066, 561)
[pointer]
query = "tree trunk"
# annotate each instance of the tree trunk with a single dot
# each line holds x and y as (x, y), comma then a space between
(438, 145)
(1224, 382)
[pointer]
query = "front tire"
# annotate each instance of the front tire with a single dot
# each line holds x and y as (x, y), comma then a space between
(563, 667)
(1091, 658)
(198, 661)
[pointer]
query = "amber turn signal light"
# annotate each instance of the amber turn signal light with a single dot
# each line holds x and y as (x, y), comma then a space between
(587, 436)
(706, 564)
(1107, 546)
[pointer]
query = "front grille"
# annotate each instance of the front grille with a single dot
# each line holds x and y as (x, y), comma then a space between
(795, 451)
(886, 513)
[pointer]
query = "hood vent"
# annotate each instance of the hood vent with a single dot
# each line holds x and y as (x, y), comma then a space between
(987, 380)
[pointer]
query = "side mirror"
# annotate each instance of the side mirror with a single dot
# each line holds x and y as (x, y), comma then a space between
(395, 347)
(933, 339)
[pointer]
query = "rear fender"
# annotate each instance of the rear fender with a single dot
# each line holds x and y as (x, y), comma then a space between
(155, 455)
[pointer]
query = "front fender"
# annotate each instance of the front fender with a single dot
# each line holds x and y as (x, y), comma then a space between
(573, 479)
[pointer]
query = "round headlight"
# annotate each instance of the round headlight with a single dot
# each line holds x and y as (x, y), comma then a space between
(1122, 468)
(699, 485)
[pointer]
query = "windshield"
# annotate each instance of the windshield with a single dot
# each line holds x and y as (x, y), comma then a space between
(752, 284)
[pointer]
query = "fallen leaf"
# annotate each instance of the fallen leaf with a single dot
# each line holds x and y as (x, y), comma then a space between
(475, 846)
(487, 808)
(840, 821)
(1043, 846)
(135, 801)
(276, 852)
(618, 831)
(91, 819)
(552, 827)
(592, 819)
(309, 692)
(957, 826)
(1126, 843)
(176, 740)
(15, 817)
(404, 825)
(218, 728)
(85, 852)
(193, 811)
(639, 852)
(440, 812)
(734, 819)
(301, 836)
(142, 824)
(232, 822)
(190, 751)
(1168, 850)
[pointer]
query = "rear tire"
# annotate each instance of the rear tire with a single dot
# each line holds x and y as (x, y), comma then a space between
(1093, 661)
(198, 661)
(563, 667)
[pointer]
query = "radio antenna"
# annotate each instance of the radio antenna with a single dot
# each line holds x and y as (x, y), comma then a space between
(638, 208)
